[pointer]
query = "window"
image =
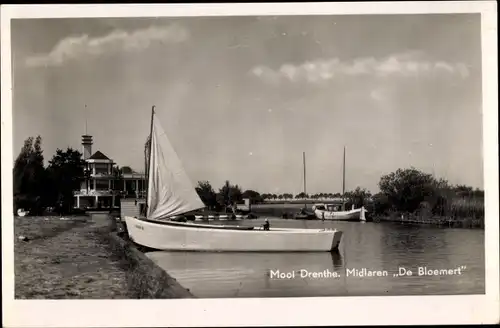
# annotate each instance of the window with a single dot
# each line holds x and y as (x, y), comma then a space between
(101, 168)
(101, 185)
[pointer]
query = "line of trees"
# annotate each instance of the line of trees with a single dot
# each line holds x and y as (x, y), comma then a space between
(405, 191)
(302, 195)
(37, 187)
(227, 195)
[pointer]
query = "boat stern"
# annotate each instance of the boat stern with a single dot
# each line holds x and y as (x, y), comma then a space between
(362, 214)
(337, 238)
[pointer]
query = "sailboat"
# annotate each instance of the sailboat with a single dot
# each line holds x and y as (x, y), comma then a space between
(170, 194)
(304, 214)
(325, 212)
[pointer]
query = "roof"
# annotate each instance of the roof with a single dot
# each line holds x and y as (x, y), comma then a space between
(99, 155)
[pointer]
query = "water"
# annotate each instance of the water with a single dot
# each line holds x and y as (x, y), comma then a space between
(374, 246)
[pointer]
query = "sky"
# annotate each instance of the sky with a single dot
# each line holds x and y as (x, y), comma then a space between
(242, 97)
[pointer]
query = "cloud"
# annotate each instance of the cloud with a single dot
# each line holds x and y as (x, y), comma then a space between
(83, 46)
(321, 70)
(378, 94)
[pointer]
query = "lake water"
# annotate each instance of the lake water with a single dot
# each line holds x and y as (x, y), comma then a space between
(374, 246)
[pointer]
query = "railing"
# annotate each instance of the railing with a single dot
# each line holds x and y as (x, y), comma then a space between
(127, 194)
(102, 175)
(95, 192)
(133, 194)
(305, 199)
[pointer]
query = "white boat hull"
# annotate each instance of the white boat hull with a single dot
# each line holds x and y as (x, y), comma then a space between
(198, 237)
(21, 212)
(353, 215)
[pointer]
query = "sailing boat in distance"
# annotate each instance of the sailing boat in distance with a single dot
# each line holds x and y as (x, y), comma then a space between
(171, 194)
(325, 212)
(304, 214)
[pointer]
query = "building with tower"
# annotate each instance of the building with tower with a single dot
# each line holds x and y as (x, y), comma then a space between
(104, 184)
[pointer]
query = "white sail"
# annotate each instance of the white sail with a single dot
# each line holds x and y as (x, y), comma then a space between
(170, 191)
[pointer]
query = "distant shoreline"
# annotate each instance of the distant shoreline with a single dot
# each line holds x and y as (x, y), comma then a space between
(280, 208)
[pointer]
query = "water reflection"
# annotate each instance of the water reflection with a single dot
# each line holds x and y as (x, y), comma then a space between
(370, 246)
(250, 274)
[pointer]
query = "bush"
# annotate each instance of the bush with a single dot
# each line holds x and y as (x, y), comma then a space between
(412, 191)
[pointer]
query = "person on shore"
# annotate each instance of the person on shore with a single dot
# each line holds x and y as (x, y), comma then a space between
(266, 225)
(60, 209)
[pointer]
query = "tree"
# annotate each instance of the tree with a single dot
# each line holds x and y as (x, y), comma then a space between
(117, 174)
(66, 172)
(478, 193)
(255, 197)
(117, 183)
(207, 194)
(464, 191)
(380, 204)
(407, 189)
(357, 197)
(229, 194)
(301, 195)
(127, 170)
(29, 177)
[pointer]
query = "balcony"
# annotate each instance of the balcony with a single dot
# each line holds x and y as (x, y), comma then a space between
(92, 192)
(121, 193)
(102, 175)
(132, 194)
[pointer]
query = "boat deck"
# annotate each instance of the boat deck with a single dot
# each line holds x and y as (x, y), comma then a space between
(198, 225)
(233, 227)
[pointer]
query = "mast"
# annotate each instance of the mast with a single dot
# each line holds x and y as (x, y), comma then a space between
(304, 165)
(343, 182)
(85, 119)
(148, 159)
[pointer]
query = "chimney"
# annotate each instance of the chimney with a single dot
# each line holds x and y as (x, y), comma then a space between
(87, 146)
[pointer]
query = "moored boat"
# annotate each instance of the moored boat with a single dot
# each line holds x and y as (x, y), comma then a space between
(323, 213)
(180, 236)
(21, 212)
(304, 214)
(170, 194)
(331, 212)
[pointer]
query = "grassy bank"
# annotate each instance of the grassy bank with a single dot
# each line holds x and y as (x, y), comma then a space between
(76, 258)
(65, 259)
(34, 228)
(146, 279)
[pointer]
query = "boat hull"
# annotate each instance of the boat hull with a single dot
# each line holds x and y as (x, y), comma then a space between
(198, 237)
(353, 215)
(304, 217)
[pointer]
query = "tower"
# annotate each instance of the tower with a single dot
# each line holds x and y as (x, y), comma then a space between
(87, 146)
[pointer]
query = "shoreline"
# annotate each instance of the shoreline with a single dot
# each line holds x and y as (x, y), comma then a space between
(84, 258)
(445, 222)
(426, 220)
